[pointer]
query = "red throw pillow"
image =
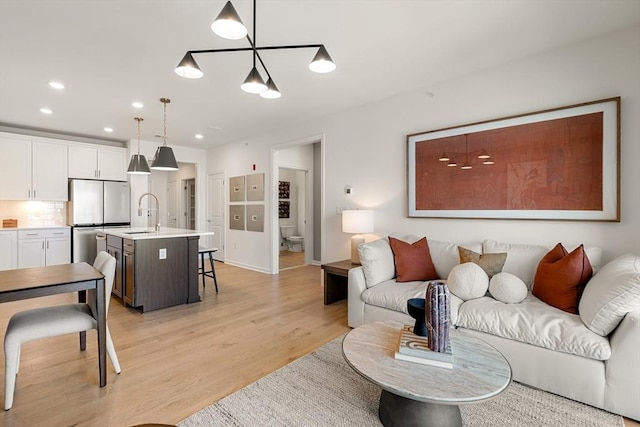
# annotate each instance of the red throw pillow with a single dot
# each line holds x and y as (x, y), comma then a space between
(412, 261)
(561, 278)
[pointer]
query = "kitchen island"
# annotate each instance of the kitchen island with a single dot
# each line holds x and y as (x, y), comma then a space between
(154, 269)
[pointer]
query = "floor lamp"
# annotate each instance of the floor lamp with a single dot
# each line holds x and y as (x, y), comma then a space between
(358, 222)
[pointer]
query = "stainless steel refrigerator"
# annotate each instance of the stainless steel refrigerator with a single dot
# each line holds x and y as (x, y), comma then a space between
(94, 205)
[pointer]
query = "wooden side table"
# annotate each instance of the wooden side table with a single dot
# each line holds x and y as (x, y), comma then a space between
(335, 280)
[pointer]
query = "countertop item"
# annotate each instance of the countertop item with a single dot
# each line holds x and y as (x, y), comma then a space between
(143, 233)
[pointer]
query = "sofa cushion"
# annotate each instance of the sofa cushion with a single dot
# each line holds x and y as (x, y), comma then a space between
(468, 281)
(522, 260)
(393, 296)
(507, 288)
(561, 278)
(612, 293)
(445, 255)
(377, 261)
(536, 323)
(412, 260)
(491, 263)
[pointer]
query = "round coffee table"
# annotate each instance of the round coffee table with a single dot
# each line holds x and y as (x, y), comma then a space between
(420, 395)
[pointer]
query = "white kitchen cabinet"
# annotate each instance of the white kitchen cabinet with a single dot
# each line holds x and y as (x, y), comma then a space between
(44, 246)
(97, 163)
(32, 170)
(8, 250)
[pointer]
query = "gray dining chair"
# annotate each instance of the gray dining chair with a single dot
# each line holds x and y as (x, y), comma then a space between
(45, 322)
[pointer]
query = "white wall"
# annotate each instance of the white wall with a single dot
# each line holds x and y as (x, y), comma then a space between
(366, 148)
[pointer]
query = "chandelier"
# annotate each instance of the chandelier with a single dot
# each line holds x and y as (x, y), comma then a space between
(450, 157)
(228, 25)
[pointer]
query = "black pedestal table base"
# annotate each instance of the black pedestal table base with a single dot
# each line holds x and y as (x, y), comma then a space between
(396, 411)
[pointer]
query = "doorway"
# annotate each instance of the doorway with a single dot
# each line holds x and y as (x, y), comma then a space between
(292, 184)
(303, 156)
(189, 203)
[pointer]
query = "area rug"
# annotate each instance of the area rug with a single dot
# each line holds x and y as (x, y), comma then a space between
(320, 389)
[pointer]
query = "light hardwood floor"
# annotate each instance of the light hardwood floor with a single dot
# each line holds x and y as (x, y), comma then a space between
(177, 360)
(289, 259)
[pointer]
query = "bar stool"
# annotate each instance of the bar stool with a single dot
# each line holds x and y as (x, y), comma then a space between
(201, 269)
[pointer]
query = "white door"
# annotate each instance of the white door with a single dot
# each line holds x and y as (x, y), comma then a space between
(31, 253)
(58, 250)
(215, 213)
(172, 205)
(49, 169)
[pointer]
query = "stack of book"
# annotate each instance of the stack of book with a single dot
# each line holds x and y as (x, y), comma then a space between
(415, 348)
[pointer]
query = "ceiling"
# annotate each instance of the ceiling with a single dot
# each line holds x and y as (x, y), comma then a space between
(111, 53)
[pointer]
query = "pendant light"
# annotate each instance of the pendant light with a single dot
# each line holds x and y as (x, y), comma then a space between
(138, 164)
(164, 159)
(229, 26)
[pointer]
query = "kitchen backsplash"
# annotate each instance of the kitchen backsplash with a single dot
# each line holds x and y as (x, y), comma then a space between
(34, 213)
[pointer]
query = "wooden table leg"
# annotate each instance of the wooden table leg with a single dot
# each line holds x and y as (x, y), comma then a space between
(82, 298)
(102, 331)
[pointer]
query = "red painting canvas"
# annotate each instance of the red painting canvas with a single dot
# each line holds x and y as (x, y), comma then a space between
(548, 165)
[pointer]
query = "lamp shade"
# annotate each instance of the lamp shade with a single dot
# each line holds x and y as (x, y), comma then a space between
(164, 160)
(272, 91)
(357, 221)
(138, 165)
(253, 83)
(322, 62)
(188, 68)
(228, 24)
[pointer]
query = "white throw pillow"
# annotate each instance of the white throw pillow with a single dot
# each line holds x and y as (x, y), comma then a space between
(507, 288)
(610, 294)
(468, 281)
(377, 261)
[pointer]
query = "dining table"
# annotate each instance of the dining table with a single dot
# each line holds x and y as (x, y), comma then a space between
(25, 283)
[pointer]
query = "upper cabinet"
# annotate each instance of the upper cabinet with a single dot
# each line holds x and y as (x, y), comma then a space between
(97, 163)
(32, 170)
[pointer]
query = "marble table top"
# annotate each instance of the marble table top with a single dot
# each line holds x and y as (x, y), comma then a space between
(479, 371)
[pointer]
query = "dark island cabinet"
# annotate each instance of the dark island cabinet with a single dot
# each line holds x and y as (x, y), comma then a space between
(160, 272)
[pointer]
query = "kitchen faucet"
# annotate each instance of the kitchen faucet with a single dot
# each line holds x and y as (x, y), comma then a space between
(157, 209)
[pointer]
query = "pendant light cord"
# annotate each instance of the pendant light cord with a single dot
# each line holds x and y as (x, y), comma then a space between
(138, 119)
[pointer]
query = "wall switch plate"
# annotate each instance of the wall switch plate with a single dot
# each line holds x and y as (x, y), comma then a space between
(162, 253)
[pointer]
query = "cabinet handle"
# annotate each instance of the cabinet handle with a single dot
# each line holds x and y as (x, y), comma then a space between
(34, 194)
(43, 244)
(59, 232)
(98, 173)
(32, 234)
(28, 194)
(47, 244)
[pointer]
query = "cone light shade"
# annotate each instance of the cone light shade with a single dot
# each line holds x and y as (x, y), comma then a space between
(272, 91)
(188, 68)
(164, 160)
(228, 24)
(322, 62)
(138, 164)
(254, 83)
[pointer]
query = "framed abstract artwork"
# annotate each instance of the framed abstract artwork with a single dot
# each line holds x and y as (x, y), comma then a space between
(559, 164)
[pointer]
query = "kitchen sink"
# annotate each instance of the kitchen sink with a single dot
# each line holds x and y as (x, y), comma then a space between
(140, 232)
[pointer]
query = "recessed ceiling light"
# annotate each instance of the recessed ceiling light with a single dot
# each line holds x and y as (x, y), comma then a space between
(108, 129)
(56, 85)
(199, 136)
(46, 111)
(137, 104)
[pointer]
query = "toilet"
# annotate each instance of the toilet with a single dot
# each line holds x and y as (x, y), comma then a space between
(294, 243)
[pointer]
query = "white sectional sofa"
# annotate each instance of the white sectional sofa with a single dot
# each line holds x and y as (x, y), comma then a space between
(592, 357)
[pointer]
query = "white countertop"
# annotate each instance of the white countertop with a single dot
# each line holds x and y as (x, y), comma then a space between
(141, 233)
(33, 227)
